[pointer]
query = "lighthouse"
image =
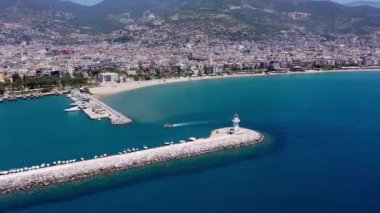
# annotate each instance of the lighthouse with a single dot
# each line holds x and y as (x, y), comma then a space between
(235, 122)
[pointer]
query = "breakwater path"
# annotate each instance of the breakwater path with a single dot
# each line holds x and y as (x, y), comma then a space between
(219, 140)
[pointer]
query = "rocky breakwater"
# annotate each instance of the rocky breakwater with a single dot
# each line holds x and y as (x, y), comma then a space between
(219, 140)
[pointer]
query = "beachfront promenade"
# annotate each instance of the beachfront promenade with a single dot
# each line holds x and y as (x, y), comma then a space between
(221, 139)
(114, 88)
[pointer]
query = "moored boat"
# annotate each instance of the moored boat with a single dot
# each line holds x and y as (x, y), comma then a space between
(72, 109)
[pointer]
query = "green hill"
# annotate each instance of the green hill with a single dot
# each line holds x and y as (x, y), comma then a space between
(227, 19)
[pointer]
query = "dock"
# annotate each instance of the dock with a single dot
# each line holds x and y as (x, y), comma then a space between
(98, 110)
(43, 176)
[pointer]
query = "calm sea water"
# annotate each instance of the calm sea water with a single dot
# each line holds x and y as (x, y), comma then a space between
(322, 153)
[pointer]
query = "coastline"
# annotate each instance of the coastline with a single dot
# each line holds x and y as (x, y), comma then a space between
(115, 88)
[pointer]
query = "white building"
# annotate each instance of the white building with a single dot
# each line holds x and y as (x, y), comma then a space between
(235, 122)
(108, 77)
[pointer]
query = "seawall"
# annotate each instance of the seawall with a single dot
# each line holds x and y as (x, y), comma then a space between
(219, 140)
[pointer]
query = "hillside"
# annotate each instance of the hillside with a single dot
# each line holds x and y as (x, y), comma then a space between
(225, 19)
(258, 19)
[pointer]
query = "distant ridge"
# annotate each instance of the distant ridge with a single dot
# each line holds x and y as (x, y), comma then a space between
(224, 19)
(86, 2)
(364, 3)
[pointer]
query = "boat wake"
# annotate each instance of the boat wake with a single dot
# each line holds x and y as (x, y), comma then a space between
(193, 123)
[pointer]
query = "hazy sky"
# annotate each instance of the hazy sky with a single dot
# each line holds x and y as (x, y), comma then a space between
(87, 2)
(92, 2)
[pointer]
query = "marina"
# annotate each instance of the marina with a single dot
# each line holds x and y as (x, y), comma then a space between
(25, 97)
(95, 109)
(43, 175)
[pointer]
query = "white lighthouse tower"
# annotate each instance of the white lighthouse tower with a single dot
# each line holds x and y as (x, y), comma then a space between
(235, 122)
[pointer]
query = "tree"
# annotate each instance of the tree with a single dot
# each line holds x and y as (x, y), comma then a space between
(16, 77)
(2, 88)
(86, 90)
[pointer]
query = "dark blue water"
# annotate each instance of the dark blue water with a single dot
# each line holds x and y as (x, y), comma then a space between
(322, 152)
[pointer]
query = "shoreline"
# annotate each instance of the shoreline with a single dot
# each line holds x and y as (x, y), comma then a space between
(116, 88)
(218, 141)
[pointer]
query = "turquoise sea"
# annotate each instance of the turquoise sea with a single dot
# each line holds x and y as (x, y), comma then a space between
(322, 152)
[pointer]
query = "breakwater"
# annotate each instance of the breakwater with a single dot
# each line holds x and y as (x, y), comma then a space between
(219, 140)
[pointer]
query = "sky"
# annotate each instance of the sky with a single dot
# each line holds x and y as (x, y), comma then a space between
(93, 2)
(87, 2)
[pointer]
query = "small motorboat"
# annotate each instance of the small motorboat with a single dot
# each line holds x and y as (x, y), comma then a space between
(168, 125)
(72, 109)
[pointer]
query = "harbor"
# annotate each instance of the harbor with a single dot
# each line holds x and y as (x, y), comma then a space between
(95, 109)
(72, 170)
(29, 96)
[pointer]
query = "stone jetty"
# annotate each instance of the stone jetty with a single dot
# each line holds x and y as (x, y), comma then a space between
(97, 110)
(219, 140)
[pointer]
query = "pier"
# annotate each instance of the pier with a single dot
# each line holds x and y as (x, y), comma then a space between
(219, 140)
(97, 110)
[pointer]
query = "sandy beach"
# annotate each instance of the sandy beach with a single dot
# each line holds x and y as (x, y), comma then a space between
(114, 88)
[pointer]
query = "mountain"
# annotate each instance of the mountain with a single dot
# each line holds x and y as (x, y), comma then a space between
(364, 3)
(137, 8)
(259, 19)
(41, 5)
(25, 20)
(224, 19)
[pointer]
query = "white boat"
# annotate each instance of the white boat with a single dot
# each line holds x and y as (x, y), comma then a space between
(192, 139)
(72, 109)
(168, 125)
(1, 100)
